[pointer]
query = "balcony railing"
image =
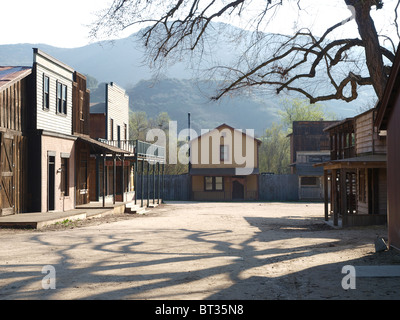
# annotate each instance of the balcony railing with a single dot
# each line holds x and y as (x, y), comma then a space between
(139, 148)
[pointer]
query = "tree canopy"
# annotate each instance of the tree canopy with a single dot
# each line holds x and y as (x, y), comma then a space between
(320, 65)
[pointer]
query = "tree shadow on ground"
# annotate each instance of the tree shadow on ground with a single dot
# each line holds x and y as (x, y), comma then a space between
(187, 263)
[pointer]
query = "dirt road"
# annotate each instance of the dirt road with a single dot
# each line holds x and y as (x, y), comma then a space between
(196, 251)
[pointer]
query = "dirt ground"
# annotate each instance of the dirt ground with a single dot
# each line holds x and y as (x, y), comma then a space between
(196, 251)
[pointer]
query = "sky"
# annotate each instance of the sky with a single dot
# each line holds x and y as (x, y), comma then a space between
(63, 23)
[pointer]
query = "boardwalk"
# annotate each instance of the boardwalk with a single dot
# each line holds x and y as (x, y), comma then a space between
(197, 251)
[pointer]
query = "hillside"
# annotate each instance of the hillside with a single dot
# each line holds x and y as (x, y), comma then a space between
(122, 62)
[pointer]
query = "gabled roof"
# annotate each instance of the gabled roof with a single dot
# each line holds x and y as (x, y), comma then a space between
(224, 125)
(387, 102)
(10, 75)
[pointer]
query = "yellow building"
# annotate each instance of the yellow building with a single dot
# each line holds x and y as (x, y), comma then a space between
(224, 165)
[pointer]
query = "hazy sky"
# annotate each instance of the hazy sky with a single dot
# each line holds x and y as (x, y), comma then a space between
(63, 23)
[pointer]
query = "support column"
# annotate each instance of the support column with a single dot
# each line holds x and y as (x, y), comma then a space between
(154, 183)
(163, 183)
(158, 181)
(123, 178)
(114, 177)
(326, 195)
(104, 180)
(343, 195)
(141, 184)
(335, 197)
(148, 183)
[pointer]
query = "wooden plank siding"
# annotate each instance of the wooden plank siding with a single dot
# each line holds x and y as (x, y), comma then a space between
(50, 119)
(118, 111)
(80, 105)
(15, 100)
(367, 141)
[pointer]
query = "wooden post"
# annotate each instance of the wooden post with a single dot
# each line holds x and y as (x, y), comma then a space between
(163, 182)
(154, 183)
(123, 178)
(326, 195)
(335, 197)
(104, 180)
(141, 184)
(343, 195)
(148, 183)
(158, 180)
(114, 177)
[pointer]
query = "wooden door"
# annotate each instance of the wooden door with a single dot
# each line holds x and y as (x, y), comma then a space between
(237, 190)
(7, 188)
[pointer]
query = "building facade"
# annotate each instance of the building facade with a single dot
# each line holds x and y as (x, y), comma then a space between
(356, 172)
(15, 101)
(387, 124)
(224, 165)
(309, 144)
(51, 145)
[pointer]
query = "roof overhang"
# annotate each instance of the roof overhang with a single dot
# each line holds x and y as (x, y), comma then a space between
(370, 161)
(97, 147)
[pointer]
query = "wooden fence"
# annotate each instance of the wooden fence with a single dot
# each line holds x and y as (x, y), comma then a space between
(271, 187)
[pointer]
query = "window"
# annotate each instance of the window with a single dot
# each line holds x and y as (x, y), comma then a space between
(61, 98)
(64, 176)
(111, 129)
(223, 153)
(46, 92)
(213, 183)
(219, 183)
(208, 183)
(309, 181)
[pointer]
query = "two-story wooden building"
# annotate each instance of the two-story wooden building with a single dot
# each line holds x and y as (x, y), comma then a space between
(356, 172)
(309, 144)
(51, 146)
(110, 124)
(224, 165)
(387, 124)
(15, 101)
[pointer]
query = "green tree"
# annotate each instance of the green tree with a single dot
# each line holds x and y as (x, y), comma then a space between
(302, 110)
(138, 125)
(274, 153)
(275, 150)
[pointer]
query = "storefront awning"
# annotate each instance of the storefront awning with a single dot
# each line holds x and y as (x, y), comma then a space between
(370, 161)
(98, 147)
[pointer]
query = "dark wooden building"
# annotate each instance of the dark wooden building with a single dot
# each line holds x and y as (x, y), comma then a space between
(15, 96)
(356, 173)
(387, 123)
(309, 144)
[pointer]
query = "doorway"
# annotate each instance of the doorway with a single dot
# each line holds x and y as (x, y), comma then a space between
(237, 190)
(51, 183)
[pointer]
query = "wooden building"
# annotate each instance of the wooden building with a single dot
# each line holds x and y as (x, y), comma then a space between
(309, 144)
(15, 97)
(224, 165)
(387, 123)
(51, 146)
(356, 172)
(110, 124)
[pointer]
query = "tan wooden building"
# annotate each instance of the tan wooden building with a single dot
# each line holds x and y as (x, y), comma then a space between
(224, 165)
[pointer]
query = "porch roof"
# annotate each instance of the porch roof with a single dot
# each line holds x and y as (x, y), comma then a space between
(369, 161)
(222, 171)
(98, 147)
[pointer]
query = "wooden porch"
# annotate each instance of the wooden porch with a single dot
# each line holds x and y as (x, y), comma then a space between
(358, 190)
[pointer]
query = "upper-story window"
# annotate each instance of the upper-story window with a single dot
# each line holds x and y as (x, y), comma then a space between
(46, 92)
(223, 153)
(61, 98)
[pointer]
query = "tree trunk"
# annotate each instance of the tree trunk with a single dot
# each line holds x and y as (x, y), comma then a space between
(369, 36)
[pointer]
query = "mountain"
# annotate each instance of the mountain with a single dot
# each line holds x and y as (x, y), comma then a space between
(121, 61)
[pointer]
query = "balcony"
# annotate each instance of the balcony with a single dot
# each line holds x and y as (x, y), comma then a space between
(139, 148)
